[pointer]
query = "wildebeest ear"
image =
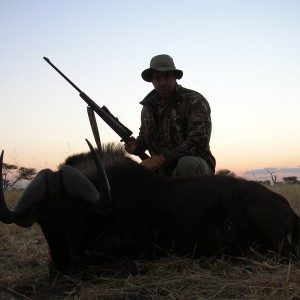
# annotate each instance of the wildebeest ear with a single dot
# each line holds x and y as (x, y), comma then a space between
(77, 185)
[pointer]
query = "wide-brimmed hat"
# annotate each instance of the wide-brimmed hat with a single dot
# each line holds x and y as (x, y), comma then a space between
(161, 63)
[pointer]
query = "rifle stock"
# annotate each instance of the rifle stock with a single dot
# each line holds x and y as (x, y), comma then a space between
(103, 113)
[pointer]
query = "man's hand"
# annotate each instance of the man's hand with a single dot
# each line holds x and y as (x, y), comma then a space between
(131, 146)
(154, 161)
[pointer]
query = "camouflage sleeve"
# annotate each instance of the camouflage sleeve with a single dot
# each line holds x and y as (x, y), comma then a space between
(198, 132)
(142, 143)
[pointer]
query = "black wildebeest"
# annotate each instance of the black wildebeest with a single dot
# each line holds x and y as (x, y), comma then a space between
(88, 212)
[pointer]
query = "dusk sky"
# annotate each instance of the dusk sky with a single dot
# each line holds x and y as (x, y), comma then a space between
(243, 56)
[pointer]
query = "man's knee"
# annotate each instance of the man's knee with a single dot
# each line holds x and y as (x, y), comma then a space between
(191, 166)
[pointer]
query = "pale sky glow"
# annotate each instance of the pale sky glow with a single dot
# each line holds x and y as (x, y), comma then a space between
(243, 56)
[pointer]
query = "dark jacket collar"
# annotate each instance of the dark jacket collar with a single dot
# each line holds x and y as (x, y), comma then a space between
(153, 97)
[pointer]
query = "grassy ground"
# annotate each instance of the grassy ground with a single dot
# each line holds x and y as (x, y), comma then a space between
(24, 272)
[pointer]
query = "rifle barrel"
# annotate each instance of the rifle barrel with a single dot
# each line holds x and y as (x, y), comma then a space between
(104, 113)
(62, 74)
(119, 128)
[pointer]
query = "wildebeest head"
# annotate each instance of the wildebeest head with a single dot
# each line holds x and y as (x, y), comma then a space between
(74, 183)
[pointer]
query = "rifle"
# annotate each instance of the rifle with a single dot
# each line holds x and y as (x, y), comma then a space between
(103, 113)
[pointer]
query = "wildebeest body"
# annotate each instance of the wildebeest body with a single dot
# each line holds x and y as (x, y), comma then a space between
(152, 215)
(199, 216)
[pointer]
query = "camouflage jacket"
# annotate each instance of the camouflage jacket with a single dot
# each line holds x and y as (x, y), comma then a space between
(178, 128)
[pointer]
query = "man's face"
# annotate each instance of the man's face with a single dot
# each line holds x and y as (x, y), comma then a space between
(164, 83)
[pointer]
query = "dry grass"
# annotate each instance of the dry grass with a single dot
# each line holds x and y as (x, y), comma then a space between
(24, 273)
(291, 192)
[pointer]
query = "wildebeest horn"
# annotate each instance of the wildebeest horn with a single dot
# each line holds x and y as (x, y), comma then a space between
(78, 185)
(105, 204)
(21, 214)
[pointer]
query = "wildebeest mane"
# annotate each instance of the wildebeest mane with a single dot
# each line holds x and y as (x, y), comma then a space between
(113, 155)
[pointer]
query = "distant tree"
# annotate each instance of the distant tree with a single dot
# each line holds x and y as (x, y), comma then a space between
(267, 182)
(290, 179)
(273, 177)
(225, 172)
(264, 182)
(11, 174)
(6, 170)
